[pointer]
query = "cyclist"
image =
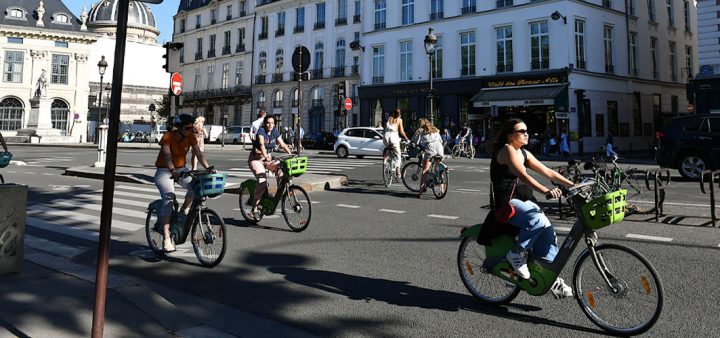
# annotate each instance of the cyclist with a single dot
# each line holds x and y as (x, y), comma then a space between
(200, 135)
(391, 139)
(266, 139)
(170, 165)
(428, 138)
(465, 137)
(511, 182)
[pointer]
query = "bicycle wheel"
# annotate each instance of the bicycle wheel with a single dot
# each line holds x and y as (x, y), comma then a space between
(634, 178)
(481, 284)
(296, 208)
(456, 151)
(244, 203)
(411, 176)
(442, 182)
(154, 238)
(209, 238)
(471, 152)
(387, 172)
(635, 304)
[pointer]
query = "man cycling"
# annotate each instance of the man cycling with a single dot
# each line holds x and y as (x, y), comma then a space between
(170, 165)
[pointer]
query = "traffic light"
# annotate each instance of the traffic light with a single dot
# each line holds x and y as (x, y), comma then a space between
(342, 91)
(171, 56)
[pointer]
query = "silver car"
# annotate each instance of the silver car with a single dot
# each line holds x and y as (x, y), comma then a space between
(359, 141)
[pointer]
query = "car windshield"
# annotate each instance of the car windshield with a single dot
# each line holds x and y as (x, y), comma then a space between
(162, 129)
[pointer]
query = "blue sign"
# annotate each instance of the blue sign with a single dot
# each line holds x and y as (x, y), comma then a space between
(706, 70)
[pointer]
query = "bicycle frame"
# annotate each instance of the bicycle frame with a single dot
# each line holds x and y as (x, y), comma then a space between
(195, 208)
(269, 205)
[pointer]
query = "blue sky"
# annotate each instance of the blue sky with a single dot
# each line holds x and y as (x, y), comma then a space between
(163, 14)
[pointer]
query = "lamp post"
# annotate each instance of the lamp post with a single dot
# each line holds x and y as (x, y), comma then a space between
(430, 43)
(101, 130)
(102, 66)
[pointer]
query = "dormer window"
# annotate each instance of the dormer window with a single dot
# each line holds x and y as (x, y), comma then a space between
(61, 18)
(15, 13)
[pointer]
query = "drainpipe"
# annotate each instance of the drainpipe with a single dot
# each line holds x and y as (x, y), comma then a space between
(627, 33)
(252, 67)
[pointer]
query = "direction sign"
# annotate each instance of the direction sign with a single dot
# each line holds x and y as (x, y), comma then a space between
(301, 65)
(348, 104)
(176, 83)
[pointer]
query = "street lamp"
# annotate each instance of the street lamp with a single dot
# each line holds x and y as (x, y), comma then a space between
(102, 66)
(430, 43)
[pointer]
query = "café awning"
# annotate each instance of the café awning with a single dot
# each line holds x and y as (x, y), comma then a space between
(518, 96)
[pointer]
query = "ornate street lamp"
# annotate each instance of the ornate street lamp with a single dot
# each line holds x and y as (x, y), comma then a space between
(102, 66)
(430, 43)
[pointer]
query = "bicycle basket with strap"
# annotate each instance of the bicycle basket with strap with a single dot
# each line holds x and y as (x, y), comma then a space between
(210, 185)
(605, 210)
(413, 151)
(5, 158)
(295, 166)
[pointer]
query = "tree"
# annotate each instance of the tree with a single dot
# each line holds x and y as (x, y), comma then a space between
(162, 108)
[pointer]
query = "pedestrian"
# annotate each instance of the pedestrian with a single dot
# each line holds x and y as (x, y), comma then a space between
(609, 146)
(445, 136)
(564, 146)
(200, 135)
(257, 124)
(553, 144)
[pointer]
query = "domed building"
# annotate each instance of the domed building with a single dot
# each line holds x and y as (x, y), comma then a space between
(102, 19)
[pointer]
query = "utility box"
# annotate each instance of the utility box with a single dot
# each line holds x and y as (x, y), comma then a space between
(13, 203)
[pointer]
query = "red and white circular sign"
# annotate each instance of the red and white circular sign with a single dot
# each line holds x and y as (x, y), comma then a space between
(348, 104)
(176, 83)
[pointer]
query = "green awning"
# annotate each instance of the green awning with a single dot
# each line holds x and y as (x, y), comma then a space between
(528, 96)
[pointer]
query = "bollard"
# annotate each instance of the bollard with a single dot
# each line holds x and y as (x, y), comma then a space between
(711, 186)
(660, 183)
(102, 146)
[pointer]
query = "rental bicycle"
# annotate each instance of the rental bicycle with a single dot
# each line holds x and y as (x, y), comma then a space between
(296, 206)
(437, 179)
(390, 162)
(463, 149)
(616, 287)
(209, 236)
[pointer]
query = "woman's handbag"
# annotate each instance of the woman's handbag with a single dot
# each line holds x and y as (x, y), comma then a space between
(506, 211)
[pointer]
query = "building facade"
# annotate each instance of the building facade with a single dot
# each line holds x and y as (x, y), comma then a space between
(704, 89)
(585, 68)
(36, 38)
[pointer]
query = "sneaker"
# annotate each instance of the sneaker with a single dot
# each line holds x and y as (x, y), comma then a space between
(168, 245)
(560, 289)
(518, 260)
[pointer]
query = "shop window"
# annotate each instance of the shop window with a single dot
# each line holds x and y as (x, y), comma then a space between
(612, 113)
(637, 115)
(599, 125)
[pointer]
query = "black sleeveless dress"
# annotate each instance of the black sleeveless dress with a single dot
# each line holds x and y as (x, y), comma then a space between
(503, 181)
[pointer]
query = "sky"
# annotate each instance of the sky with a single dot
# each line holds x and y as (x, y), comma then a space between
(163, 14)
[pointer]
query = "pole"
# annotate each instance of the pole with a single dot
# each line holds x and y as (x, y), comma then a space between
(99, 110)
(431, 97)
(297, 123)
(98, 321)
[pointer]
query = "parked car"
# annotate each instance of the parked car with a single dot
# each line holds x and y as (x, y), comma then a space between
(319, 140)
(689, 144)
(214, 132)
(157, 133)
(359, 141)
(237, 135)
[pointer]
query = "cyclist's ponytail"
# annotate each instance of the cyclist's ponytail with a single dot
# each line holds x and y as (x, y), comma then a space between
(501, 137)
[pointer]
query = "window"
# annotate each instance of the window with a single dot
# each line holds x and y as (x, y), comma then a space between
(299, 19)
(211, 76)
(15, 40)
(281, 23)
(238, 73)
(13, 70)
(182, 25)
(226, 45)
(437, 58)
(378, 70)
(689, 61)
(612, 113)
(437, 9)
(11, 114)
(539, 45)
(504, 49)
(319, 56)
(263, 28)
(197, 21)
(358, 10)
(408, 12)
(243, 8)
(60, 64)
(295, 97)
(342, 9)
(261, 99)
(607, 3)
(608, 47)
(467, 54)
(198, 79)
(262, 64)
(670, 13)
(241, 39)
(599, 125)
(59, 112)
(380, 6)
(637, 115)
(503, 3)
(674, 107)
(211, 50)
(340, 54)
(653, 56)
(226, 76)
(468, 6)
(686, 15)
(651, 9)
(198, 53)
(16, 13)
(633, 9)
(714, 125)
(278, 98)
(633, 54)
(228, 12)
(657, 113)
(213, 16)
(406, 61)
(673, 61)
(580, 44)
(61, 18)
(320, 20)
(279, 55)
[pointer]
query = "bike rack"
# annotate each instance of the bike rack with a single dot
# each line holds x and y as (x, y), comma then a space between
(564, 171)
(660, 183)
(711, 186)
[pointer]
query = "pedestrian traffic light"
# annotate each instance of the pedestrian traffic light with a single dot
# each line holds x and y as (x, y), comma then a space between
(171, 56)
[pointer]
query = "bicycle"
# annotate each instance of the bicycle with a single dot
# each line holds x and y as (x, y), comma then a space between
(437, 179)
(296, 205)
(615, 178)
(209, 235)
(463, 148)
(608, 290)
(390, 162)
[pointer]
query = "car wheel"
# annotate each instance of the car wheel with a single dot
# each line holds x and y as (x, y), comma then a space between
(342, 152)
(235, 141)
(692, 166)
(360, 156)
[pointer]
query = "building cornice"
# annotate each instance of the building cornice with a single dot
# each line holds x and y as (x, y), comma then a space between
(47, 34)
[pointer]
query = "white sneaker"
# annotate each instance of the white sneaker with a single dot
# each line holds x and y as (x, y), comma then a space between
(560, 289)
(168, 245)
(518, 260)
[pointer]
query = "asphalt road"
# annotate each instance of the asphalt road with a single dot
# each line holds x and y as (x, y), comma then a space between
(374, 261)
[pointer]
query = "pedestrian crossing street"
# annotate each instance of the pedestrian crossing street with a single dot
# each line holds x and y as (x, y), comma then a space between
(316, 165)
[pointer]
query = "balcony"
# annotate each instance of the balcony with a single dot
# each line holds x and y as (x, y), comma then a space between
(378, 79)
(504, 68)
(260, 79)
(277, 77)
(240, 48)
(539, 65)
(263, 36)
(226, 93)
(467, 71)
(609, 69)
(319, 25)
(581, 64)
(280, 32)
(294, 103)
(261, 104)
(356, 18)
(607, 3)
(198, 56)
(468, 10)
(228, 17)
(226, 50)
(211, 53)
(277, 104)
(340, 21)
(305, 76)
(338, 71)
(197, 25)
(317, 74)
(317, 102)
(243, 13)
(298, 29)
(213, 21)
(436, 16)
(503, 3)
(355, 70)
(379, 26)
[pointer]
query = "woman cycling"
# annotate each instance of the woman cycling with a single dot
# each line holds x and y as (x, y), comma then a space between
(511, 182)
(429, 140)
(200, 135)
(170, 165)
(391, 139)
(266, 139)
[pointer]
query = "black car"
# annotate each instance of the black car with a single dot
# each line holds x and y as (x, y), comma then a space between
(689, 144)
(319, 140)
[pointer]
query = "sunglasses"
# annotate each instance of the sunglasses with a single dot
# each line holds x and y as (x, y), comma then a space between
(189, 128)
(521, 131)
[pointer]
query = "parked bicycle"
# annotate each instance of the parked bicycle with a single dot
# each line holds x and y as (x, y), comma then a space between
(463, 149)
(390, 162)
(209, 236)
(296, 205)
(437, 179)
(617, 288)
(615, 178)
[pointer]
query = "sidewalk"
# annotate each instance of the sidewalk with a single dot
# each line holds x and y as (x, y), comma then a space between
(54, 297)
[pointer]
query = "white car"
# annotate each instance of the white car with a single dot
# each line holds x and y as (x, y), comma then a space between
(359, 141)
(237, 135)
(157, 133)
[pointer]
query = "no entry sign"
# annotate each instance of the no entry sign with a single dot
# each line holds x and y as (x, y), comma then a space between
(176, 83)
(348, 104)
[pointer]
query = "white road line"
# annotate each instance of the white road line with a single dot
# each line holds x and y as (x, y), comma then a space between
(97, 207)
(115, 200)
(473, 190)
(48, 174)
(348, 206)
(30, 172)
(563, 229)
(69, 231)
(314, 202)
(672, 203)
(137, 188)
(52, 247)
(393, 211)
(11, 171)
(442, 216)
(72, 218)
(650, 238)
(81, 186)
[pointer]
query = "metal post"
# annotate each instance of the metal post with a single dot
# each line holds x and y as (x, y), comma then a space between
(300, 94)
(431, 95)
(99, 112)
(712, 198)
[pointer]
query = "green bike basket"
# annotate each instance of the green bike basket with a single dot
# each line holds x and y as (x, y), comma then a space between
(210, 185)
(5, 159)
(605, 210)
(296, 166)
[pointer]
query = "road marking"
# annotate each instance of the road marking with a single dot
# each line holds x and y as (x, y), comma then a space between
(96, 207)
(393, 211)
(442, 216)
(11, 171)
(115, 200)
(30, 172)
(348, 206)
(650, 238)
(48, 174)
(52, 247)
(71, 218)
(563, 229)
(314, 202)
(672, 203)
(473, 190)
(69, 231)
(81, 186)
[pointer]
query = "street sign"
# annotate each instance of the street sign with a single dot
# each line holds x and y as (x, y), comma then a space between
(176, 83)
(348, 104)
(298, 66)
